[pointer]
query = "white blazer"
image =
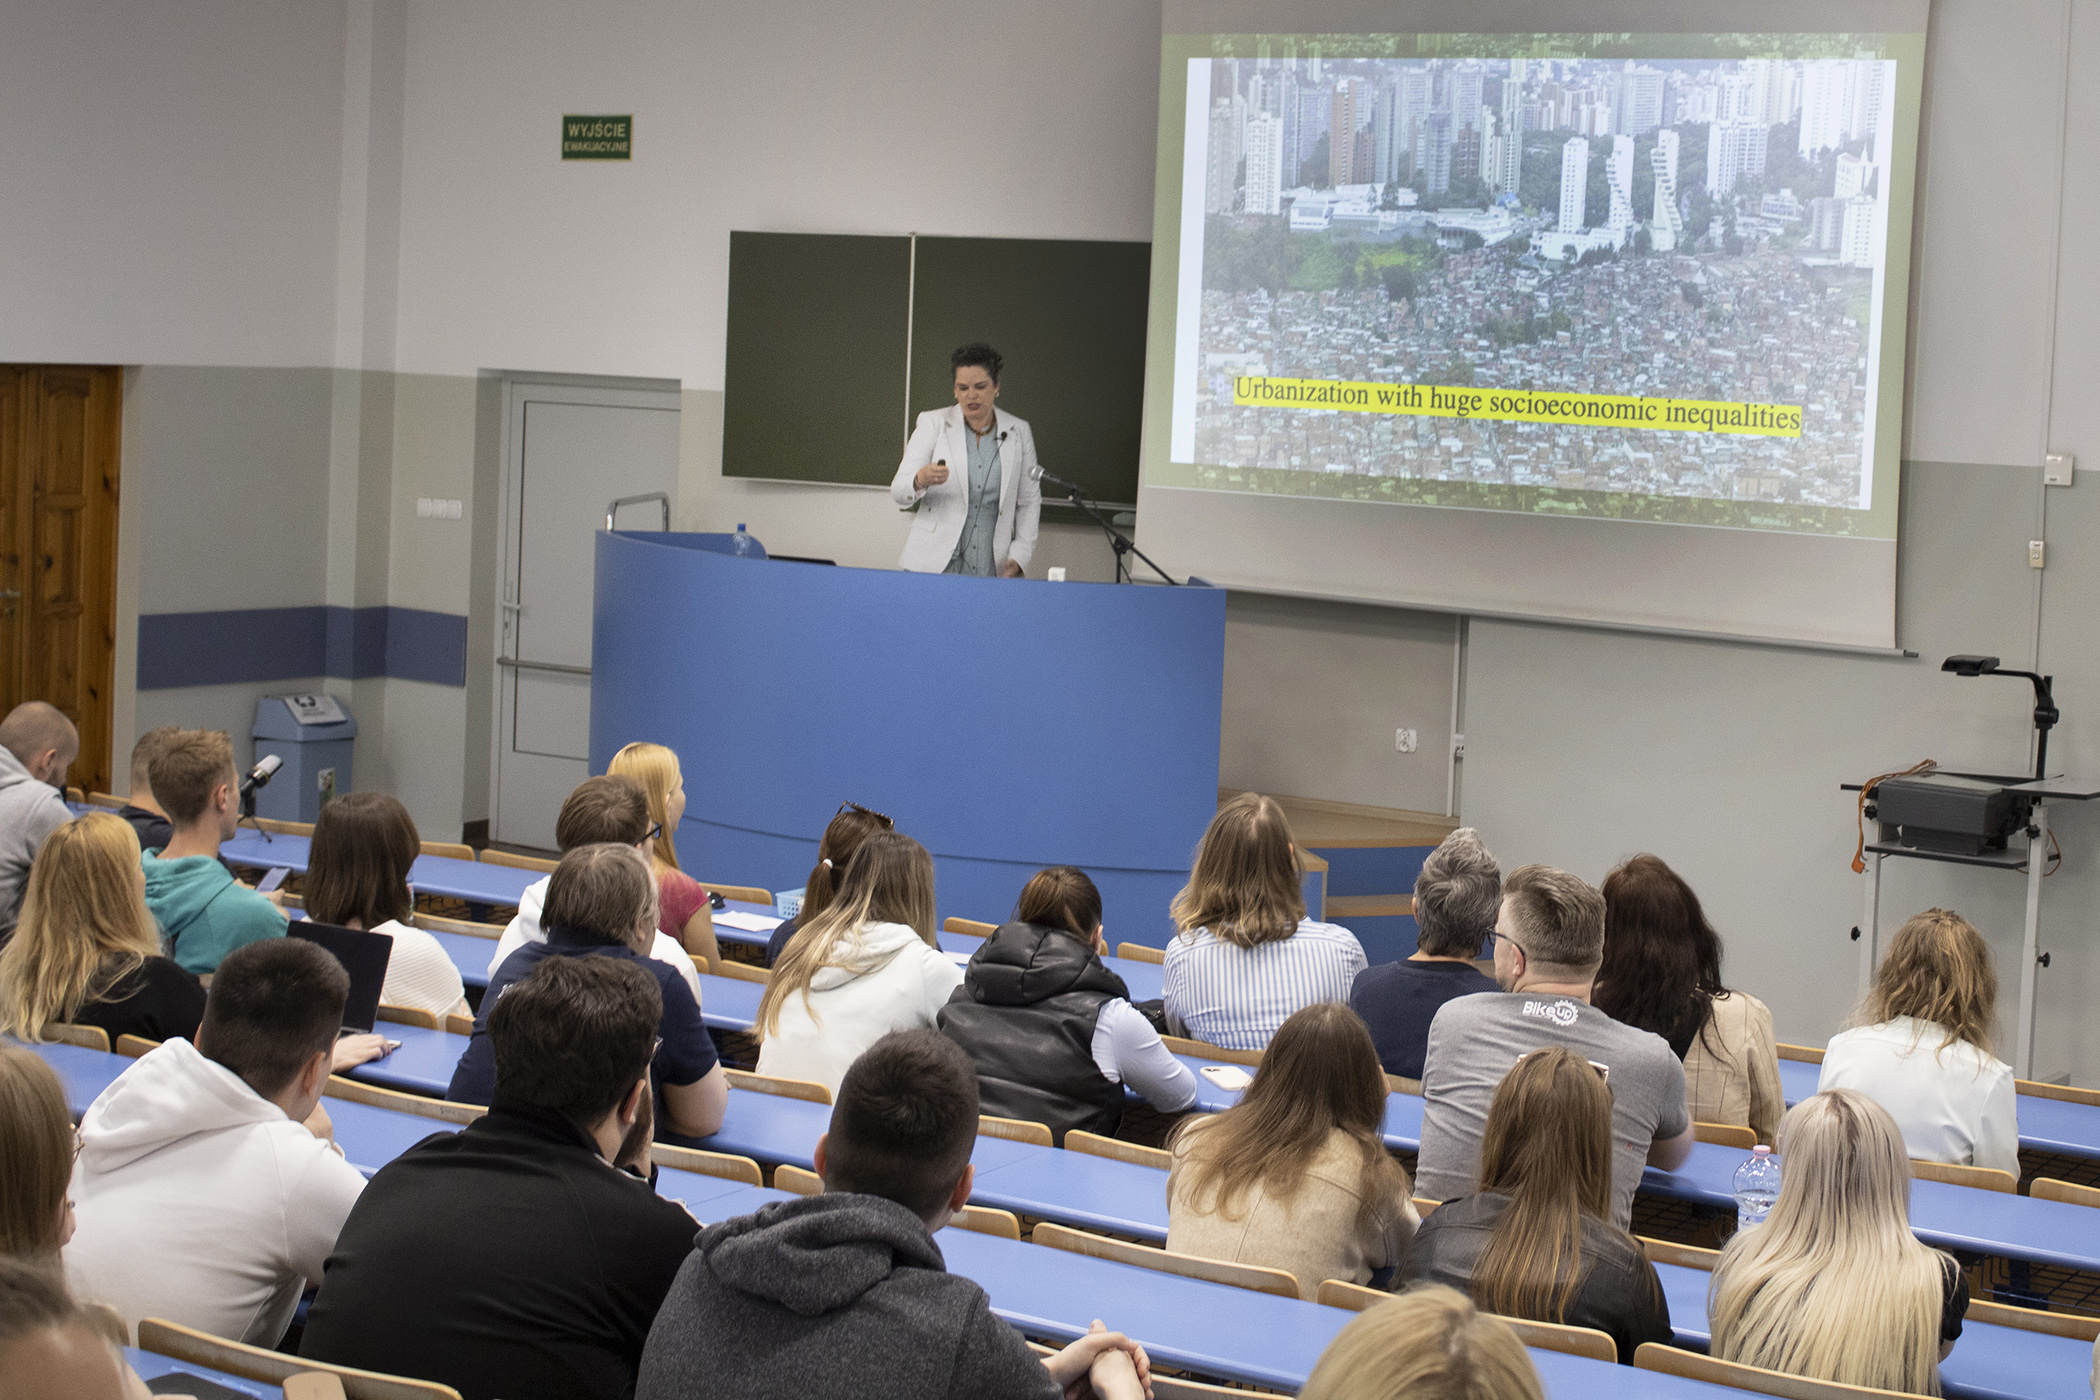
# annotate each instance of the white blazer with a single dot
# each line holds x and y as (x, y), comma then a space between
(940, 435)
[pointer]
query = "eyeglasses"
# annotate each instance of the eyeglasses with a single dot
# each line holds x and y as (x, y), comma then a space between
(1496, 933)
(844, 807)
(654, 832)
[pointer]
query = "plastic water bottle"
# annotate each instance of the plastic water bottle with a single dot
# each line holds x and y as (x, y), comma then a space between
(742, 545)
(1756, 1187)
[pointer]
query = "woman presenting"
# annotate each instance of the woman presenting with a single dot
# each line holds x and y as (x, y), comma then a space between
(969, 470)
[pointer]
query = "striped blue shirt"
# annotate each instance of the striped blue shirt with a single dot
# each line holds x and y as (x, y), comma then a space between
(1236, 997)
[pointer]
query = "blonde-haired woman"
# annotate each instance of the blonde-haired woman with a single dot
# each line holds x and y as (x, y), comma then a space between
(1295, 1176)
(1246, 956)
(866, 966)
(682, 902)
(1834, 1286)
(1538, 1240)
(36, 1155)
(1429, 1343)
(86, 950)
(1920, 1047)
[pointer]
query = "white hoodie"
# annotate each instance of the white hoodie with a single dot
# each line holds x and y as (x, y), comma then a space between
(198, 1201)
(887, 980)
(525, 928)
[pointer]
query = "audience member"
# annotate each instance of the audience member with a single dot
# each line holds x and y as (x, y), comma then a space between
(37, 745)
(86, 950)
(36, 1158)
(1833, 1285)
(601, 902)
(1662, 973)
(1050, 1029)
(1246, 956)
(683, 913)
(140, 807)
(853, 825)
(204, 914)
(1549, 941)
(1427, 1344)
(846, 1293)
(1536, 1240)
(357, 877)
(865, 966)
(1456, 897)
(200, 1197)
(1295, 1176)
(1920, 1046)
(604, 809)
(52, 1348)
(506, 1260)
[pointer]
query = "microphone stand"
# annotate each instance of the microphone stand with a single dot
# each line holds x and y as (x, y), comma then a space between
(1117, 540)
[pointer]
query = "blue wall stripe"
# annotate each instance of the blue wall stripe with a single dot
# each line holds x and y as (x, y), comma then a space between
(248, 645)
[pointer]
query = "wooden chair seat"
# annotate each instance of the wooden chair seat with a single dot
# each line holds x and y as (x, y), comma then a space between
(1654, 1356)
(1202, 1050)
(87, 1037)
(409, 1016)
(133, 1046)
(450, 850)
(807, 1089)
(1551, 1336)
(492, 856)
(1808, 1054)
(749, 894)
(1259, 1280)
(442, 1110)
(1724, 1135)
(1094, 1145)
(969, 928)
(725, 1165)
(1014, 1130)
(1982, 1178)
(2048, 1188)
(164, 1338)
(1139, 952)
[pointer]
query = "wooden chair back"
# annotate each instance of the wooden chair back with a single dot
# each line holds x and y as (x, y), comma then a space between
(739, 972)
(1688, 1256)
(1423, 1205)
(2048, 1188)
(807, 1089)
(74, 794)
(449, 850)
(1247, 1276)
(749, 894)
(1139, 952)
(2062, 1093)
(1395, 1084)
(492, 856)
(456, 1024)
(800, 1180)
(1335, 1293)
(985, 1220)
(437, 924)
(1014, 1130)
(86, 1037)
(1201, 1050)
(315, 1385)
(1724, 1135)
(408, 1016)
(1982, 1178)
(133, 1046)
(2054, 1324)
(1094, 1145)
(272, 825)
(442, 1110)
(165, 1338)
(969, 928)
(1807, 1054)
(1654, 1356)
(722, 1164)
(104, 799)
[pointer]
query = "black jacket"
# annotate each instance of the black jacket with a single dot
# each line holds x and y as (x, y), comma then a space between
(1026, 1012)
(157, 1000)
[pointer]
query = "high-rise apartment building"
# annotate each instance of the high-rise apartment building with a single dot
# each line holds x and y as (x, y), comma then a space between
(1462, 92)
(1223, 159)
(1265, 176)
(1826, 104)
(1733, 150)
(1350, 111)
(1434, 148)
(1636, 101)
(1574, 185)
(1857, 245)
(1666, 224)
(1618, 179)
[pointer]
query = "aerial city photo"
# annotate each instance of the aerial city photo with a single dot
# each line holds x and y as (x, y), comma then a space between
(1688, 229)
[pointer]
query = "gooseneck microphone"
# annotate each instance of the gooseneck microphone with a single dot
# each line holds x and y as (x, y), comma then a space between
(1036, 473)
(260, 775)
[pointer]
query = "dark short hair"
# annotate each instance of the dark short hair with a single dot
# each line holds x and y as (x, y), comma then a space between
(977, 353)
(184, 774)
(905, 1121)
(357, 867)
(603, 889)
(273, 1005)
(604, 808)
(574, 1034)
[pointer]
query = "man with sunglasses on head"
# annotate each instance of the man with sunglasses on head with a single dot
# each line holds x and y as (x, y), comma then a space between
(1549, 943)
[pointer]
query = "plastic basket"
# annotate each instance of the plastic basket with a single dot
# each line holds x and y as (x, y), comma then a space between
(788, 903)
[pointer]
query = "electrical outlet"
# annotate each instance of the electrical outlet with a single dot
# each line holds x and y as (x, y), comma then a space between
(2057, 468)
(1458, 746)
(425, 507)
(1403, 741)
(2034, 553)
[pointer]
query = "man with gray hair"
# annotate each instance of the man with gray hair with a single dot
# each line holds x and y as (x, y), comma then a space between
(37, 745)
(1456, 897)
(1549, 943)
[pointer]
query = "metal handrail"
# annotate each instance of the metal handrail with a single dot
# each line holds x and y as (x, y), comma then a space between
(661, 497)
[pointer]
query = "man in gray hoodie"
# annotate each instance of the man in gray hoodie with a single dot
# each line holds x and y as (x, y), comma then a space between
(37, 745)
(846, 1293)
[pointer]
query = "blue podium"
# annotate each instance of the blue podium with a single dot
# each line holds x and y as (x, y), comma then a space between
(1006, 724)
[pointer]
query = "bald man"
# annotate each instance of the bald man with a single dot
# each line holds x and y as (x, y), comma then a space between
(37, 746)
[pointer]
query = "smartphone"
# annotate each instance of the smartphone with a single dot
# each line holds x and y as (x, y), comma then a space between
(272, 880)
(1227, 1076)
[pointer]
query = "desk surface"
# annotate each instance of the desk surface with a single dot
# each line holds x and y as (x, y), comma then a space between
(423, 1065)
(1077, 1189)
(471, 880)
(152, 1365)
(727, 1004)
(372, 1137)
(84, 1073)
(2046, 1125)
(470, 953)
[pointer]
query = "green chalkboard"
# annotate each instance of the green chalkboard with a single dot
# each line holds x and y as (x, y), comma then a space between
(813, 378)
(820, 326)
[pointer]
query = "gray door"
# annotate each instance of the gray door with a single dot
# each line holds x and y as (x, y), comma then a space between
(569, 451)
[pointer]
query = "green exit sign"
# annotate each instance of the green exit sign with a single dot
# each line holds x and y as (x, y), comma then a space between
(597, 138)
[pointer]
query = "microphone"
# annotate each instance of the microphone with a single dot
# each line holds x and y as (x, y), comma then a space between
(1036, 473)
(261, 774)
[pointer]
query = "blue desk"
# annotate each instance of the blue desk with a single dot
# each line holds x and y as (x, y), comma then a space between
(470, 953)
(2046, 1125)
(773, 1130)
(1797, 1080)
(372, 1137)
(85, 1073)
(691, 1189)
(1146, 981)
(727, 1004)
(423, 1065)
(1077, 1189)
(151, 1365)
(712, 1207)
(725, 934)
(471, 880)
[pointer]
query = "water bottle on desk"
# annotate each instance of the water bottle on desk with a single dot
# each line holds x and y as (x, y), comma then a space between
(742, 545)
(1756, 1187)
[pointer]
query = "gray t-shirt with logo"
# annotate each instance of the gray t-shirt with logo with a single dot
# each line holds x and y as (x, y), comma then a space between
(1475, 1040)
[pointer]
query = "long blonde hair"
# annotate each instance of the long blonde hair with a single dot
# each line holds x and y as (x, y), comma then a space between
(1547, 1147)
(36, 1154)
(656, 769)
(1245, 884)
(1938, 969)
(888, 881)
(1833, 1285)
(1430, 1343)
(1319, 1075)
(84, 926)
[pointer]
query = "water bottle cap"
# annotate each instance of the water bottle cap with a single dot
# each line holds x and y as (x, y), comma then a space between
(740, 527)
(1761, 1150)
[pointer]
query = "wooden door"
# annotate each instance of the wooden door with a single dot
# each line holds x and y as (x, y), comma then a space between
(58, 549)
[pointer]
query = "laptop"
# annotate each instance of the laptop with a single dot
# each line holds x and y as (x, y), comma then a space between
(364, 956)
